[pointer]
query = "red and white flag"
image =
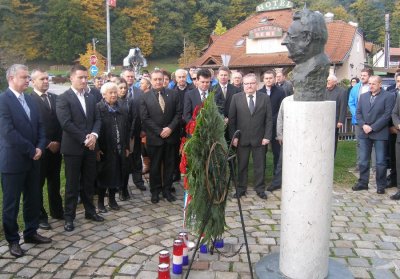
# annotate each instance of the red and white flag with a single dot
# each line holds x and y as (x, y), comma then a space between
(112, 3)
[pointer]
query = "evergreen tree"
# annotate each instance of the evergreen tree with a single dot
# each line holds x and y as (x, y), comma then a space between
(190, 54)
(67, 31)
(202, 27)
(395, 25)
(219, 28)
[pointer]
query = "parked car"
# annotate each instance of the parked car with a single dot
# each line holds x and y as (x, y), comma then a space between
(386, 82)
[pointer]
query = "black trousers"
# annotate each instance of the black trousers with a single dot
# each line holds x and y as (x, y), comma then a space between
(79, 171)
(136, 163)
(276, 149)
(13, 185)
(162, 167)
(50, 166)
(392, 177)
(277, 178)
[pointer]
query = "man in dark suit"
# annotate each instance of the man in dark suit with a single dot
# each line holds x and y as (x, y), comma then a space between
(22, 142)
(80, 122)
(50, 162)
(223, 95)
(161, 113)
(276, 95)
(196, 97)
(373, 113)
(136, 157)
(250, 112)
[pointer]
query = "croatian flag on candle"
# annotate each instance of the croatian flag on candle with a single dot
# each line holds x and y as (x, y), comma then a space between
(177, 257)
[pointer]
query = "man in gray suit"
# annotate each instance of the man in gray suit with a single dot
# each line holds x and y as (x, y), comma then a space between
(250, 112)
(373, 114)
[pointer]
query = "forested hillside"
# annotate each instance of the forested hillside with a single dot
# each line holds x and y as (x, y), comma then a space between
(58, 30)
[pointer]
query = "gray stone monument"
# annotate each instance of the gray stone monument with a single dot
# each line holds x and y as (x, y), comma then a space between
(308, 160)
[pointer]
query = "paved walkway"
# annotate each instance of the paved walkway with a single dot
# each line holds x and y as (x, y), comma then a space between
(365, 237)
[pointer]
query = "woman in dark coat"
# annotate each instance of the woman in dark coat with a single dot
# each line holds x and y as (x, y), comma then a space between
(113, 146)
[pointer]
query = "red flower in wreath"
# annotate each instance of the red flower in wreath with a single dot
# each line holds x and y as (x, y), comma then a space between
(183, 141)
(185, 183)
(196, 111)
(190, 127)
(183, 164)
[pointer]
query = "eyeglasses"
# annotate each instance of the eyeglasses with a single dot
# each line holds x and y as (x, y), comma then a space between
(194, 78)
(249, 83)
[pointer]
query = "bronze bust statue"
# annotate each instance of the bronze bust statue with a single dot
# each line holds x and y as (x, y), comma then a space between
(305, 40)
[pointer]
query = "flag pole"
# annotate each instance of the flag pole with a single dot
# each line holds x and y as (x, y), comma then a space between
(108, 38)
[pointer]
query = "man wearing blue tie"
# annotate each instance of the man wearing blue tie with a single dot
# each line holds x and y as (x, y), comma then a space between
(22, 142)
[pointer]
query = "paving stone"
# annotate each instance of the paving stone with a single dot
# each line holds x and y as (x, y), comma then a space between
(42, 276)
(13, 267)
(138, 259)
(220, 266)
(358, 262)
(130, 269)
(64, 274)
(343, 252)
(152, 249)
(28, 272)
(382, 274)
(359, 272)
(105, 271)
(73, 264)
(114, 261)
(86, 271)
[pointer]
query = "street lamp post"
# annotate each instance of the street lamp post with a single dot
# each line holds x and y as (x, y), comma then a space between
(108, 38)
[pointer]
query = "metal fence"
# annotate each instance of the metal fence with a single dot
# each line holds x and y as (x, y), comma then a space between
(347, 131)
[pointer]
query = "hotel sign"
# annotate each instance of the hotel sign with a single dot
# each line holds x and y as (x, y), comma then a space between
(272, 5)
(266, 32)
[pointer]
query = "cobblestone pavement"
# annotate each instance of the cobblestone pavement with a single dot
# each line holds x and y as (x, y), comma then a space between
(365, 236)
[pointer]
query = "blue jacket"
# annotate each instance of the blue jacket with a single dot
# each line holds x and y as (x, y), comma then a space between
(353, 101)
(19, 135)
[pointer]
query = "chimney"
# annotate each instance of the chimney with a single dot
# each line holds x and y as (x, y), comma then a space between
(355, 24)
(328, 17)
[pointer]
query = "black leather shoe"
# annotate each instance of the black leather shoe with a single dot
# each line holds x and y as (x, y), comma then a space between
(94, 217)
(141, 187)
(69, 226)
(101, 208)
(16, 250)
(124, 195)
(390, 185)
(262, 195)
(44, 226)
(239, 195)
(113, 204)
(37, 239)
(273, 188)
(169, 197)
(380, 191)
(173, 190)
(155, 198)
(358, 187)
(396, 196)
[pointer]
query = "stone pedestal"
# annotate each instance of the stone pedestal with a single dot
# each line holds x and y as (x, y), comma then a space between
(307, 180)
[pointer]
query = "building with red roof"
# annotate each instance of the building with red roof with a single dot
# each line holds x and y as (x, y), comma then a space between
(254, 45)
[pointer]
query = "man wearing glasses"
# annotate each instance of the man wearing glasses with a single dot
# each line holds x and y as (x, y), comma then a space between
(250, 112)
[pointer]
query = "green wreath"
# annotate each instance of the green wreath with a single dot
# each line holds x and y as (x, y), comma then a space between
(207, 173)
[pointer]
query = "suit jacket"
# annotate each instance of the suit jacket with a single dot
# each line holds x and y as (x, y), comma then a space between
(154, 120)
(287, 87)
(96, 93)
(376, 115)
(253, 128)
(276, 97)
(19, 135)
(75, 123)
(223, 103)
(396, 114)
(192, 100)
(135, 103)
(49, 117)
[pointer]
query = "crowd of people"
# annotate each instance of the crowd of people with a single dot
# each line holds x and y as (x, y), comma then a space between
(124, 127)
